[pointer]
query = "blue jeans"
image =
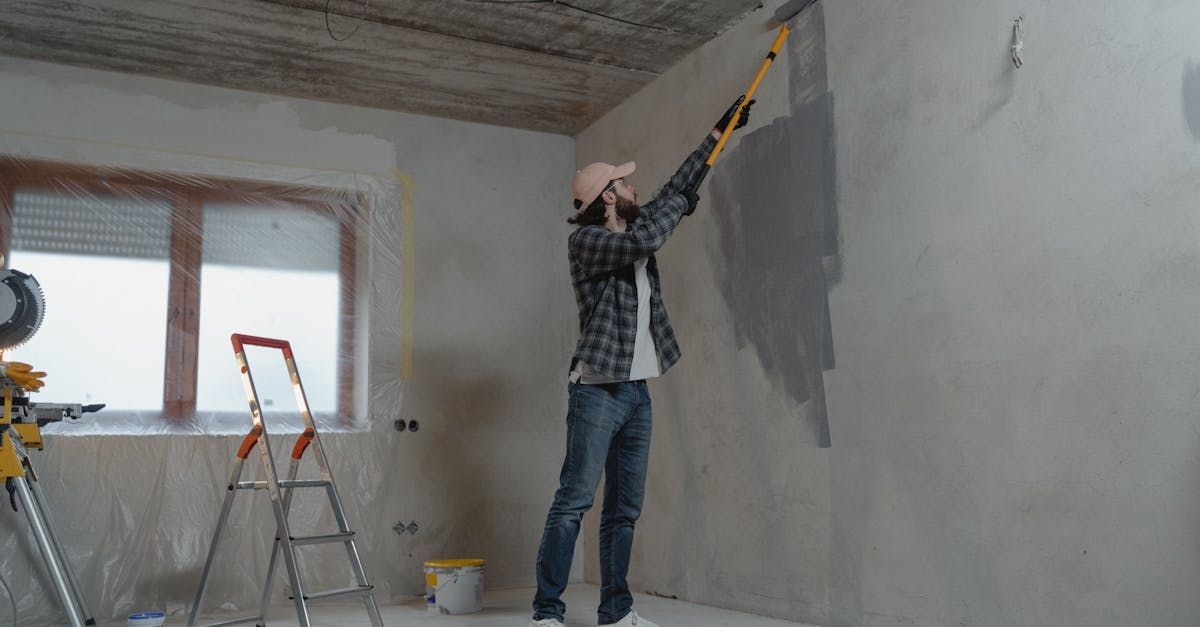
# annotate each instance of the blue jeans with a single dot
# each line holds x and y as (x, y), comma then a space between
(608, 430)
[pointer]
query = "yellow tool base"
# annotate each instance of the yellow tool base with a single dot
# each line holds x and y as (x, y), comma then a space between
(10, 463)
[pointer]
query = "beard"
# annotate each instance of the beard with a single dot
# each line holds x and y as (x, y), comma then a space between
(628, 210)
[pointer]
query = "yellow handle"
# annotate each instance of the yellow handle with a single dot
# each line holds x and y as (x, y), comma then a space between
(762, 71)
(25, 376)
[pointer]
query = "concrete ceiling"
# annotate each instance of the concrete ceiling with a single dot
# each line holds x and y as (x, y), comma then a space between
(537, 64)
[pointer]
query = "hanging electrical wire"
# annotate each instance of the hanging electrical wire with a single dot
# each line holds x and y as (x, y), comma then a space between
(598, 14)
(361, 18)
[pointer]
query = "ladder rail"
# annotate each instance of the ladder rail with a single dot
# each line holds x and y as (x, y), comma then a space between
(222, 520)
(283, 530)
(275, 545)
(317, 446)
(339, 512)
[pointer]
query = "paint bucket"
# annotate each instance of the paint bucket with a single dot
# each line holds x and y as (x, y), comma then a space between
(147, 619)
(454, 586)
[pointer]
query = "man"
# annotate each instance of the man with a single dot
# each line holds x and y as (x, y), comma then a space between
(626, 338)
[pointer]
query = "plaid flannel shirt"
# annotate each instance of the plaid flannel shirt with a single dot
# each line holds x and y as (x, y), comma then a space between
(605, 285)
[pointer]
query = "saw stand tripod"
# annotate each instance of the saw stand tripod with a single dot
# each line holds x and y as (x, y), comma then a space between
(21, 481)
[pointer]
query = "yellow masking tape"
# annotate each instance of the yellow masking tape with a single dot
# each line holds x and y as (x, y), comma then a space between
(408, 259)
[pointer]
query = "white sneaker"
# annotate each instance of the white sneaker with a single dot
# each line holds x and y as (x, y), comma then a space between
(546, 622)
(633, 620)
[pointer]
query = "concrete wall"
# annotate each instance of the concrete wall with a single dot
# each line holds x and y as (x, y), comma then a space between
(1011, 404)
(492, 326)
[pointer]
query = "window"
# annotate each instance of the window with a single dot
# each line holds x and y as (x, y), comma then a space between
(146, 276)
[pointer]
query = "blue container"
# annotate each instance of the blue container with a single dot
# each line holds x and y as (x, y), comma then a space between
(147, 619)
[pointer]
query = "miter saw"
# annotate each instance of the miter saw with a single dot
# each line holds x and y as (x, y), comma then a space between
(21, 308)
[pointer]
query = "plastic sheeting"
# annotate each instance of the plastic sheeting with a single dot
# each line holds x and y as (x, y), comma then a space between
(146, 274)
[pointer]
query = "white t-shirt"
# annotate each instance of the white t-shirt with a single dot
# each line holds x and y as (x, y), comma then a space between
(645, 357)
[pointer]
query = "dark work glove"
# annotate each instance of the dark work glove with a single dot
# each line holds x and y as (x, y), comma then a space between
(693, 198)
(742, 119)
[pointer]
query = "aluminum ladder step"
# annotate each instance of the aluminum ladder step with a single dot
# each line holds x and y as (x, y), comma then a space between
(283, 483)
(340, 592)
(235, 621)
(325, 538)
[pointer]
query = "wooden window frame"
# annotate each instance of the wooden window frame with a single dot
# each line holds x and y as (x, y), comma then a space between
(188, 198)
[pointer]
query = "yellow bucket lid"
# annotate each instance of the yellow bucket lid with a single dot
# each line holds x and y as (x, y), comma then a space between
(455, 563)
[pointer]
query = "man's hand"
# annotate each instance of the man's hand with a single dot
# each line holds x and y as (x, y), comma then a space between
(693, 198)
(742, 120)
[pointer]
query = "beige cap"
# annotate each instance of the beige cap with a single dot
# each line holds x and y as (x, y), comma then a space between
(592, 179)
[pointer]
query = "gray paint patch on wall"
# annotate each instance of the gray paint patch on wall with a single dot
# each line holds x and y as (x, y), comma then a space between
(1191, 97)
(808, 80)
(774, 192)
(778, 230)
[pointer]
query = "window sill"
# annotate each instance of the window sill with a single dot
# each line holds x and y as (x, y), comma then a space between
(127, 422)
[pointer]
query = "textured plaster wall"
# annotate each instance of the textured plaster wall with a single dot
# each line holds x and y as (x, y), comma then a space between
(492, 329)
(1016, 386)
(1012, 405)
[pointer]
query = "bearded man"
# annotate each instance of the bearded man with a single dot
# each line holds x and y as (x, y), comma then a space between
(625, 339)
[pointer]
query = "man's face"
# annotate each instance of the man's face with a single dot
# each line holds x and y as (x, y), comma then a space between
(625, 189)
(627, 207)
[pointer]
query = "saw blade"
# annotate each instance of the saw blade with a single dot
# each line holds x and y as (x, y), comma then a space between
(22, 306)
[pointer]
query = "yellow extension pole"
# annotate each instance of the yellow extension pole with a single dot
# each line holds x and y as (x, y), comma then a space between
(762, 71)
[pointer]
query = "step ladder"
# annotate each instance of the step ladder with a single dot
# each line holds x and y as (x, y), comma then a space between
(281, 500)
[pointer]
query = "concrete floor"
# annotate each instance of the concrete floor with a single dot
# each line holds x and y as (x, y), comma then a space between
(510, 608)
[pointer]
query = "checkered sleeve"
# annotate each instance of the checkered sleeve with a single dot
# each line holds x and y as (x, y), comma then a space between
(687, 173)
(598, 249)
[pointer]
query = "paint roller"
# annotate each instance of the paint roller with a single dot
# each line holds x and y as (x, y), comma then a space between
(784, 13)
